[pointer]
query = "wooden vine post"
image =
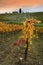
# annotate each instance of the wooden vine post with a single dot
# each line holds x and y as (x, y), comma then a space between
(28, 33)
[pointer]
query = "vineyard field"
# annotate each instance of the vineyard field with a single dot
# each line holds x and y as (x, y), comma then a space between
(19, 18)
(12, 47)
(10, 54)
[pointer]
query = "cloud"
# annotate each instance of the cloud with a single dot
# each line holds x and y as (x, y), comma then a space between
(17, 3)
(33, 9)
(14, 4)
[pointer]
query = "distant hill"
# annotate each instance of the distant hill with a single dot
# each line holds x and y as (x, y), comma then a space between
(37, 15)
(19, 18)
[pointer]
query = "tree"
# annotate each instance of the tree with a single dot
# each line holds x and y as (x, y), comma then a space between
(20, 10)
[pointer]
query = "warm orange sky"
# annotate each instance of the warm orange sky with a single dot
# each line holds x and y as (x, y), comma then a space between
(7, 5)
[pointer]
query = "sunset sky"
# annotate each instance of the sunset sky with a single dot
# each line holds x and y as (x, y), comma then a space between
(26, 5)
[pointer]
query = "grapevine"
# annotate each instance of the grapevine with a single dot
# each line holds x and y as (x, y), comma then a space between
(29, 31)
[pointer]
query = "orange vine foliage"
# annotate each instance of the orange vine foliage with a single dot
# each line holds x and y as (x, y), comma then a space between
(9, 27)
(28, 28)
(13, 27)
